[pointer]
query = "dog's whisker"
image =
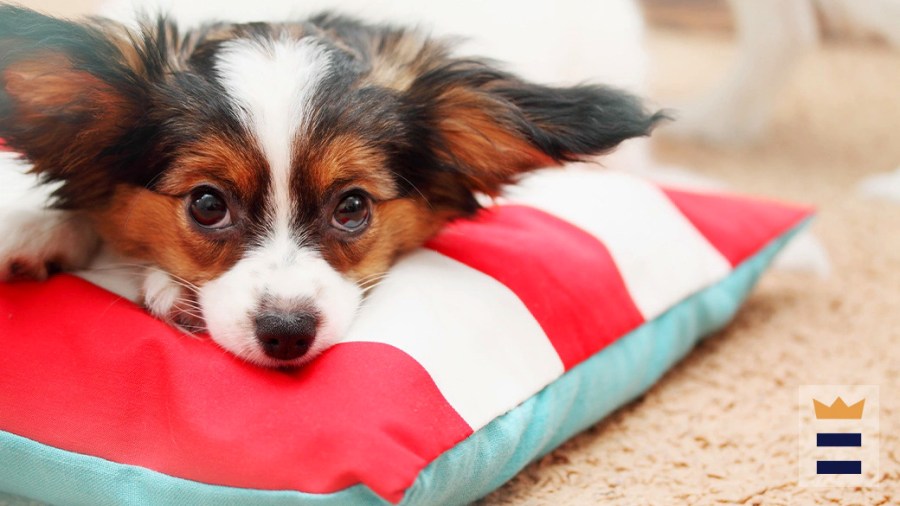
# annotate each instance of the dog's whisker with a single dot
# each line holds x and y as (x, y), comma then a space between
(414, 187)
(176, 278)
(116, 268)
(372, 283)
(366, 279)
(366, 289)
(191, 287)
(190, 310)
(369, 288)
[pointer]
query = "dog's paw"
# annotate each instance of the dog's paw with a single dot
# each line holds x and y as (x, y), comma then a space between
(24, 268)
(37, 243)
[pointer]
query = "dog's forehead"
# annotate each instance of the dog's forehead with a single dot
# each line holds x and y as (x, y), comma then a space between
(298, 101)
(270, 83)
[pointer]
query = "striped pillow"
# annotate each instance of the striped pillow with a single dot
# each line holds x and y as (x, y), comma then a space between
(484, 350)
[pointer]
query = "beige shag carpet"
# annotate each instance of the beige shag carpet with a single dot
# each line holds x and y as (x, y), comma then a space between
(721, 428)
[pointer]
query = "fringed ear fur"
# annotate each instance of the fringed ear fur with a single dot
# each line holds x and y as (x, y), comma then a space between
(485, 127)
(70, 95)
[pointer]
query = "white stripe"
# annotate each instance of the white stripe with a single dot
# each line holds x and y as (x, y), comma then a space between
(271, 83)
(660, 254)
(477, 340)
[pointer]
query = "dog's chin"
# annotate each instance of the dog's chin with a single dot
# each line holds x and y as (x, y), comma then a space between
(246, 348)
(260, 359)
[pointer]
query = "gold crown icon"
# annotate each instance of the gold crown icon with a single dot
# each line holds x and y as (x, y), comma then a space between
(839, 410)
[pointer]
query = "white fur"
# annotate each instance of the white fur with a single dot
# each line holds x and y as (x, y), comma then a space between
(161, 294)
(30, 232)
(122, 276)
(32, 236)
(271, 84)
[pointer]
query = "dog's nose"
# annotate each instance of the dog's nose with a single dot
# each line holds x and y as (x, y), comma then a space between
(286, 336)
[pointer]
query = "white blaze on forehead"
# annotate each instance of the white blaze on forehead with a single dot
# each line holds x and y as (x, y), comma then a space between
(271, 83)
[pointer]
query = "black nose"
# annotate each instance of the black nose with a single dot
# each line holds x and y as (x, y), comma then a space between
(286, 336)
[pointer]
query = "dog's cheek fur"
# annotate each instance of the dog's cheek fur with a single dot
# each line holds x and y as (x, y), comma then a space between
(399, 226)
(148, 226)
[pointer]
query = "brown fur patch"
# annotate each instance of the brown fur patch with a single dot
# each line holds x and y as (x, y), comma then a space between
(59, 107)
(46, 88)
(48, 82)
(396, 225)
(234, 165)
(347, 160)
(148, 226)
(474, 129)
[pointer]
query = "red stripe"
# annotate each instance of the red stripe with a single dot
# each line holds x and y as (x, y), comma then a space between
(737, 226)
(564, 276)
(96, 375)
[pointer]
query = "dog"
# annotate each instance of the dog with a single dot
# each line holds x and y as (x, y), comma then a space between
(261, 175)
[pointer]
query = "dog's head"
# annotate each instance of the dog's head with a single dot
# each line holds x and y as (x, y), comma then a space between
(271, 172)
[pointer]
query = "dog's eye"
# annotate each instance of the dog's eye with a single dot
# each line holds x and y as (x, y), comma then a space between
(208, 208)
(352, 213)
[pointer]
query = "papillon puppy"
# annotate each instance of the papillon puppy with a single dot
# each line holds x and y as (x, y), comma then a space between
(264, 172)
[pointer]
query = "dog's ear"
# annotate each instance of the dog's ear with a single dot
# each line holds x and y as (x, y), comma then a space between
(483, 127)
(68, 91)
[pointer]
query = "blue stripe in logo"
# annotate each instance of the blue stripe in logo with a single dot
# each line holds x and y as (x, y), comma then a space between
(838, 467)
(838, 439)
